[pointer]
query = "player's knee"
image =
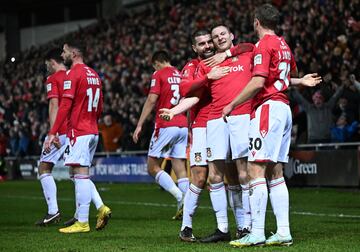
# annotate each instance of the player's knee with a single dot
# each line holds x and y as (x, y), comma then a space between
(215, 178)
(243, 177)
(44, 168)
(199, 180)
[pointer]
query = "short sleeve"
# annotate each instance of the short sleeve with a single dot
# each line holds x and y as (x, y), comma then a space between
(262, 57)
(155, 85)
(52, 90)
(70, 83)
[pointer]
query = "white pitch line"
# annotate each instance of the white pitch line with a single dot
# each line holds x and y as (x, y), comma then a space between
(153, 204)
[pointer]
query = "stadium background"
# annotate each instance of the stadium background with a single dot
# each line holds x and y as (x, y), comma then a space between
(120, 37)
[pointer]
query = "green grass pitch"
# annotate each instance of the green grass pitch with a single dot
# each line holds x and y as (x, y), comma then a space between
(321, 220)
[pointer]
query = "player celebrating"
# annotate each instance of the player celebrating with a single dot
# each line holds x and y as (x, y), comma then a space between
(82, 104)
(270, 129)
(169, 138)
(203, 46)
(225, 137)
(54, 84)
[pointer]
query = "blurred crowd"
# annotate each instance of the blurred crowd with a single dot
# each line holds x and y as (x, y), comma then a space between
(321, 33)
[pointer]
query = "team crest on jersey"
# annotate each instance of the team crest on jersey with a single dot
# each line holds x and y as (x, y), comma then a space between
(198, 158)
(48, 87)
(153, 82)
(67, 84)
(208, 152)
(185, 73)
(257, 59)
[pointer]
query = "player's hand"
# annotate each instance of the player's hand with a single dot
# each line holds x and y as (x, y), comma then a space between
(311, 80)
(57, 143)
(48, 142)
(215, 60)
(166, 114)
(136, 134)
(218, 72)
(226, 111)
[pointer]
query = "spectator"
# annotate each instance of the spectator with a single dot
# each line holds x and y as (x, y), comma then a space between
(111, 133)
(118, 50)
(342, 131)
(319, 115)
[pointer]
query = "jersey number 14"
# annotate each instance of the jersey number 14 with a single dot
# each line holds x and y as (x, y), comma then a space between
(93, 99)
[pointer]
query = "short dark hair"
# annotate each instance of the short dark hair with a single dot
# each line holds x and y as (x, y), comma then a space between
(77, 44)
(268, 16)
(218, 25)
(55, 54)
(160, 56)
(198, 33)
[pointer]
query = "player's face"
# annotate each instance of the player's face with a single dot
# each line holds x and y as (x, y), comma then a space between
(204, 46)
(67, 55)
(222, 38)
(49, 67)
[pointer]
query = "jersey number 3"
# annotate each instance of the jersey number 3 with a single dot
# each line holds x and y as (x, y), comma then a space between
(176, 95)
(93, 100)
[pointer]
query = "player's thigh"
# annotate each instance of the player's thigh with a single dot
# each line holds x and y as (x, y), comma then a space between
(286, 140)
(267, 131)
(81, 151)
(55, 154)
(239, 126)
(178, 149)
(198, 147)
(217, 140)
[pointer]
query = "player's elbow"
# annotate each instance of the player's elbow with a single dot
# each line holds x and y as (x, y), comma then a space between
(258, 82)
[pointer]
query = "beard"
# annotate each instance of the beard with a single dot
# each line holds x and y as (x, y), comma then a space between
(68, 62)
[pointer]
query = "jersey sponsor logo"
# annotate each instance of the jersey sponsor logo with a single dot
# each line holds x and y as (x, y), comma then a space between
(153, 82)
(258, 59)
(198, 158)
(238, 68)
(177, 74)
(67, 84)
(89, 73)
(48, 87)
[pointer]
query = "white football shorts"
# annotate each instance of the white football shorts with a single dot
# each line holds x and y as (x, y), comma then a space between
(225, 138)
(270, 133)
(55, 154)
(81, 150)
(170, 142)
(198, 147)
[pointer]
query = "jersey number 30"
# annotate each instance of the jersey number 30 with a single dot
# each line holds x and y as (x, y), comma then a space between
(93, 100)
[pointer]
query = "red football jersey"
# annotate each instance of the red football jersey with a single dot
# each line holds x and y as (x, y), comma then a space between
(166, 84)
(83, 85)
(199, 113)
(54, 88)
(224, 90)
(274, 61)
